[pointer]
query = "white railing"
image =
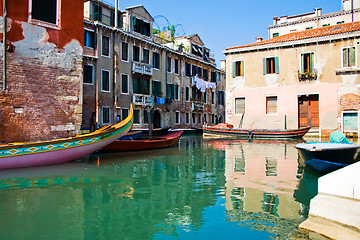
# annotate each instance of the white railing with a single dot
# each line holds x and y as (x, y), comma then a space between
(142, 68)
(145, 100)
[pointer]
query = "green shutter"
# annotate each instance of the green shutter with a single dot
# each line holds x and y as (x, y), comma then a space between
(345, 57)
(352, 56)
(134, 23)
(312, 62)
(276, 64)
(242, 68)
(264, 66)
(234, 69)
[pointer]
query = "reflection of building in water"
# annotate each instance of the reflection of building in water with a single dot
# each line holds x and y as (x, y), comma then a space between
(261, 177)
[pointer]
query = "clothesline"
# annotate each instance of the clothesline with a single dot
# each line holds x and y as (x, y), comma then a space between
(202, 85)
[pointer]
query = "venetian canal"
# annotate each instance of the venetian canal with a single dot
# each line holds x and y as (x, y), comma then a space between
(203, 189)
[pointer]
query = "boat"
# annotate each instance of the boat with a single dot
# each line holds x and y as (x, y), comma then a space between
(26, 154)
(169, 139)
(227, 130)
(326, 157)
(131, 135)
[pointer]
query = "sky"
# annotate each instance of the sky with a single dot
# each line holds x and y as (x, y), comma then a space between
(226, 23)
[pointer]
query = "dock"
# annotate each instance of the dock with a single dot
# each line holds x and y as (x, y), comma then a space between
(335, 211)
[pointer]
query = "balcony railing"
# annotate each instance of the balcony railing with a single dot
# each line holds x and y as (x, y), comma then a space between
(142, 68)
(145, 100)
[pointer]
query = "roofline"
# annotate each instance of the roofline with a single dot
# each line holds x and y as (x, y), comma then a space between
(328, 38)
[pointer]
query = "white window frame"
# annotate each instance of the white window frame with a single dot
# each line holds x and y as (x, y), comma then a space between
(167, 64)
(46, 24)
(177, 115)
(187, 118)
(106, 56)
(133, 53)
(342, 119)
(244, 105)
(153, 61)
(102, 115)
(102, 90)
(178, 66)
(128, 84)
(342, 57)
(277, 105)
(92, 77)
(187, 99)
(89, 30)
(127, 52)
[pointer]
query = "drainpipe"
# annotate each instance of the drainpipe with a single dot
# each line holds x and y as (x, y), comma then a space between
(98, 82)
(352, 10)
(116, 13)
(4, 43)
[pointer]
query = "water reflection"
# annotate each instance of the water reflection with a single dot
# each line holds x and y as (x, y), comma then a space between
(190, 191)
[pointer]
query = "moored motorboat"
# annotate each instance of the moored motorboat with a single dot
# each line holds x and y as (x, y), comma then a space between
(14, 155)
(169, 139)
(328, 156)
(227, 130)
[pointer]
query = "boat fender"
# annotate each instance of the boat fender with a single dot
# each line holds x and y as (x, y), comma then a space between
(250, 134)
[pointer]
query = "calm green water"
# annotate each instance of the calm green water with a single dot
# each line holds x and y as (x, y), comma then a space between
(202, 189)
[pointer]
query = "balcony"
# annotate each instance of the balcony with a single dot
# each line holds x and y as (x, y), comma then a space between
(142, 68)
(197, 106)
(144, 100)
(307, 76)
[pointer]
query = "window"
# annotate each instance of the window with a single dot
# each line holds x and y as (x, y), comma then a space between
(205, 97)
(141, 26)
(105, 80)
(193, 117)
(105, 46)
(340, 22)
(168, 64)
(212, 97)
(271, 105)
(156, 60)
(177, 117)
(105, 115)
(176, 66)
(124, 113)
(44, 10)
(146, 56)
(349, 57)
(205, 74)
(136, 116)
(187, 94)
(221, 96)
(213, 76)
(187, 116)
(187, 70)
(240, 105)
(124, 83)
(199, 118)
(124, 51)
(213, 119)
(196, 70)
(88, 74)
(156, 88)
(325, 25)
(271, 65)
(205, 118)
(141, 86)
(275, 35)
(238, 69)
(309, 28)
(145, 116)
(172, 91)
(89, 39)
(307, 63)
(136, 53)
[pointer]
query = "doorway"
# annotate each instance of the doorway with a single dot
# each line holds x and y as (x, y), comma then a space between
(157, 119)
(308, 110)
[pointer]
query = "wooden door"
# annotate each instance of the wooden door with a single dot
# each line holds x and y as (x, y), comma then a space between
(308, 109)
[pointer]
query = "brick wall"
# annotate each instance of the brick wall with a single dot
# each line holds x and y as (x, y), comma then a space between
(40, 102)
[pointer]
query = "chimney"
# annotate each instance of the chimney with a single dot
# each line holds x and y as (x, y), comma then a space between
(259, 39)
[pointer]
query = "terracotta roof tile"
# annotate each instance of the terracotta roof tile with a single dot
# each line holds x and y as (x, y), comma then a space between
(307, 34)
